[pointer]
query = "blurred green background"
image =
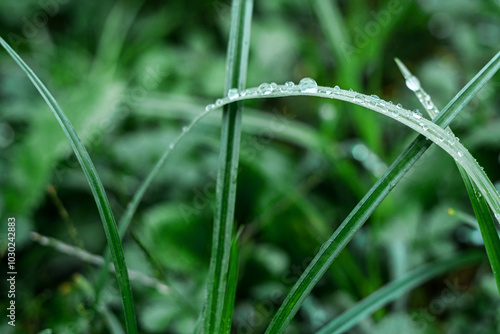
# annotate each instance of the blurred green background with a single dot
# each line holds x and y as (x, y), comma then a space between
(130, 74)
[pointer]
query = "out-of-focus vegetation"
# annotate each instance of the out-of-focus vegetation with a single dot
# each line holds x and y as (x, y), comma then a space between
(131, 74)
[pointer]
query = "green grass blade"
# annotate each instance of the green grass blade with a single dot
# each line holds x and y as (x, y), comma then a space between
(108, 220)
(346, 231)
(486, 223)
(232, 279)
(397, 288)
(237, 60)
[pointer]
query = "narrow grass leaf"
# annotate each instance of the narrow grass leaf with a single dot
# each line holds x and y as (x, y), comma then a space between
(237, 61)
(232, 279)
(486, 225)
(396, 289)
(346, 231)
(108, 220)
(479, 204)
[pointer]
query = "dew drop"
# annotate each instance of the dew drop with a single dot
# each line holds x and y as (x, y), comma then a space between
(233, 93)
(218, 102)
(424, 126)
(460, 154)
(413, 83)
(395, 113)
(265, 89)
(308, 85)
(399, 106)
(416, 114)
(336, 89)
(372, 101)
(359, 99)
(209, 107)
(289, 84)
(274, 85)
(478, 194)
(284, 89)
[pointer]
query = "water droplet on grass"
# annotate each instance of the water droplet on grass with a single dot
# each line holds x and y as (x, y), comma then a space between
(460, 154)
(233, 93)
(416, 114)
(308, 85)
(336, 89)
(218, 102)
(274, 85)
(359, 99)
(289, 84)
(209, 107)
(424, 126)
(413, 83)
(265, 89)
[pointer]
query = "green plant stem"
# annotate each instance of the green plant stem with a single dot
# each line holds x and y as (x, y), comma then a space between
(237, 60)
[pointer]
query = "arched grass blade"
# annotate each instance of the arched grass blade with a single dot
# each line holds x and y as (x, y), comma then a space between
(479, 204)
(346, 231)
(237, 59)
(108, 220)
(232, 280)
(397, 288)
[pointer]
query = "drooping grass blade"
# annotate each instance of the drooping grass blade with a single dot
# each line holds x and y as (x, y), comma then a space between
(479, 204)
(107, 218)
(346, 231)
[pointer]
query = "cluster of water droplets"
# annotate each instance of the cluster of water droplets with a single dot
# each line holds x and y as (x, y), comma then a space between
(411, 118)
(309, 86)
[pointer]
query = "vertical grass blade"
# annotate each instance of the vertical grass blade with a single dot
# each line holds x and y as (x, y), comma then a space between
(232, 279)
(346, 231)
(397, 288)
(108, 220)
(237, 60)
(479, 204)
